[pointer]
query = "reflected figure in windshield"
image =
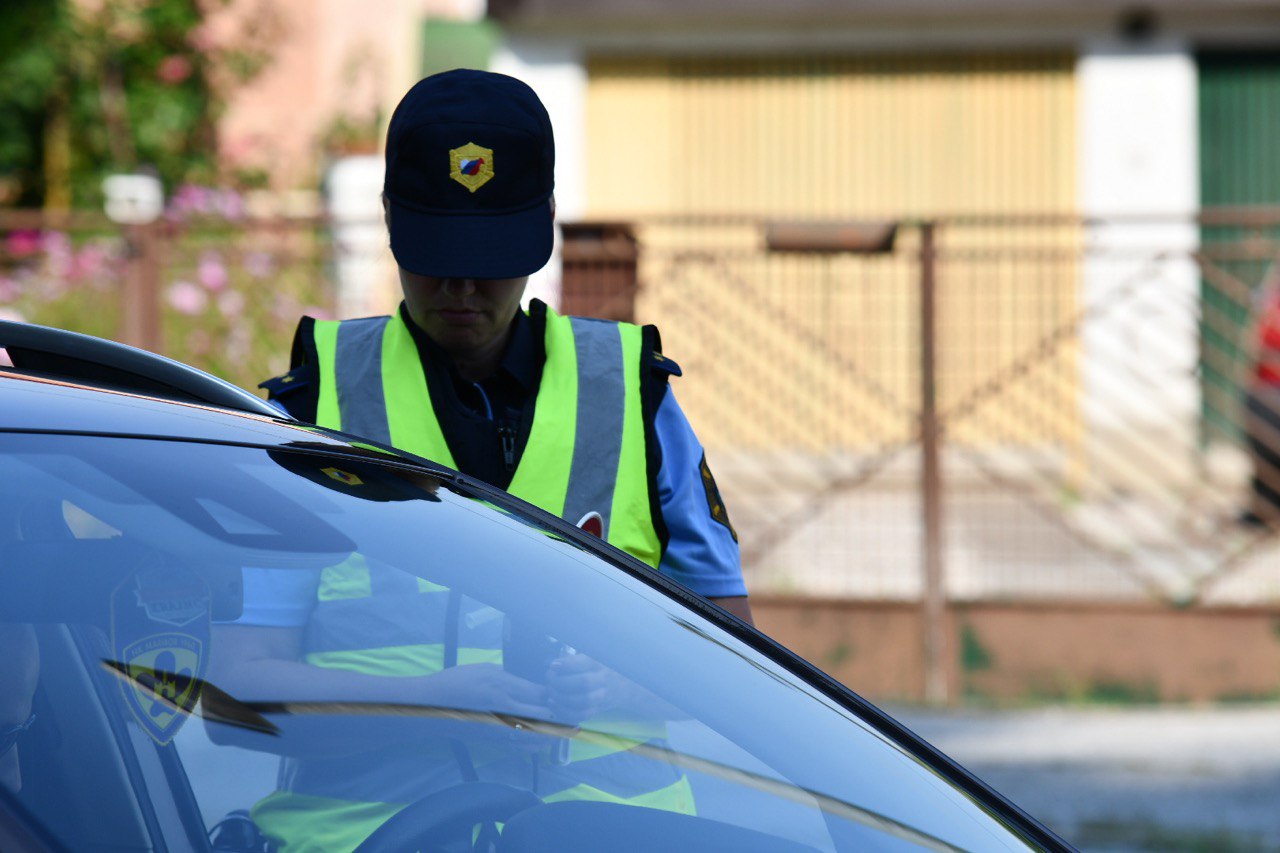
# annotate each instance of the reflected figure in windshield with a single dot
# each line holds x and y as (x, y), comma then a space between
(393, 688)
(19, 673)
(407, 651)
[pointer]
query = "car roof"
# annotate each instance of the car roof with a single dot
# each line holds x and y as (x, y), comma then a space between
(37, 404)
(73, 398)
(64, 381)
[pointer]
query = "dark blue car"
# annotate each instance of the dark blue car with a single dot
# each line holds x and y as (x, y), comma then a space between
(224, 630)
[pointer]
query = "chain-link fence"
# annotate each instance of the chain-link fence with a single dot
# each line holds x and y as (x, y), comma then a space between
(991, 408)
(1017, 408)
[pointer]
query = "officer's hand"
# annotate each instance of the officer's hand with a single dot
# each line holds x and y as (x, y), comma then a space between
(581, 688)
(486, 687)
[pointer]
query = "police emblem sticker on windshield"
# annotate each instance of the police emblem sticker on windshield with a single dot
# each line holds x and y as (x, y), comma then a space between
(160, 638)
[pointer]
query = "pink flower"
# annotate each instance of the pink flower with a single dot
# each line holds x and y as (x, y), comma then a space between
(174, 69)
(58, 253)
(231, 304)
(21, 244)
(211, 272)
(52, 287)
(202, 39)
(259, 264)
(284, 309)
(229, 204)
(9, 290)
(189, 198)
(188, 298)
(199, 342)
(91, 262)
(237, 344)
(205, 201)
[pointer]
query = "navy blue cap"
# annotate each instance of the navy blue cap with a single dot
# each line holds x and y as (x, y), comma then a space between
(470, 173)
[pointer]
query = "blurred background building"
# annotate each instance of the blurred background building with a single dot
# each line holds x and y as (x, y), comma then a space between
(963, 291)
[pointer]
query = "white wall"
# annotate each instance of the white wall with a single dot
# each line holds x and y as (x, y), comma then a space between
(362, 266)
(556, 72)
(1138, 158)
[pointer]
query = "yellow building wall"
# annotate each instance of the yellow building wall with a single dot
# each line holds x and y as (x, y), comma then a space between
(822, 353)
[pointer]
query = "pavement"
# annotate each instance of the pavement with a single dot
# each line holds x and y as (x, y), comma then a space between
(1127, 779)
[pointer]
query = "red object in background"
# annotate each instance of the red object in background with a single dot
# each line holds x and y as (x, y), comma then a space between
(1268, 366)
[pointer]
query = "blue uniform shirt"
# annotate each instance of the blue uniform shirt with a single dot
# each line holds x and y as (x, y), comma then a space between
(702, 548)
(702, 551)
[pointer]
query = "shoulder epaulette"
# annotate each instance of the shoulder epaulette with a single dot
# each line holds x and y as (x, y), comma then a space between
(666, 365)
(300, 377)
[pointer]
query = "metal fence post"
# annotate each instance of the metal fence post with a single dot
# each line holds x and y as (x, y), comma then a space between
(936, 646)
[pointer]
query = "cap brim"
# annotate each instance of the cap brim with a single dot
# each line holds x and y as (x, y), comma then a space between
(508, 245)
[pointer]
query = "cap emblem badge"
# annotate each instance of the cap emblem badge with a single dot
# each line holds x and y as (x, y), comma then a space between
(471, 165)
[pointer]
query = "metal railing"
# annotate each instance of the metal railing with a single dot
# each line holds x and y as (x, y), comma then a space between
(993, 407)
(224, 295)
(961, 409)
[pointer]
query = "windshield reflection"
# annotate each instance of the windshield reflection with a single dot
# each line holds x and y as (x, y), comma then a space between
(315, 642)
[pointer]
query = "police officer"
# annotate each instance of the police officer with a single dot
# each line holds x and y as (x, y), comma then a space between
(571, 414)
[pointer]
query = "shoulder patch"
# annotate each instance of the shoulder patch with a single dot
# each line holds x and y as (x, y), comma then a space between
(714, 502)
(666, 365)
(298, 378)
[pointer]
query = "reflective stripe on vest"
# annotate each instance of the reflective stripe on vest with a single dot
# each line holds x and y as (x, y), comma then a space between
(381, 621)
(586, 447)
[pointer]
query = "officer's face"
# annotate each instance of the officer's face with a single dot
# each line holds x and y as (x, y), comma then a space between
(465, 316)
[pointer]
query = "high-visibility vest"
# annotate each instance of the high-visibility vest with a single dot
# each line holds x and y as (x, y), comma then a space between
(586, 446)
(586, 451)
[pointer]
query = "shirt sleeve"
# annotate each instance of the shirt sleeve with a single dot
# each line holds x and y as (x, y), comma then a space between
(702, 548)
(278, 598)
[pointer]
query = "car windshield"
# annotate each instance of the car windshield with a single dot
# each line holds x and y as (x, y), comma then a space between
(315, 651)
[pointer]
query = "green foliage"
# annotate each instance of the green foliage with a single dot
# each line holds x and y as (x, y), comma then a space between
(1248, 697)
(1074, 691)
(840, 653)
(111, 86)
(1121, 693)
(974, 656)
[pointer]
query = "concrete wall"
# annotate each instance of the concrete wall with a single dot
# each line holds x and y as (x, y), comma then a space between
(1019, 653)
(556, 71)
(1138, 158)
(334, 58)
